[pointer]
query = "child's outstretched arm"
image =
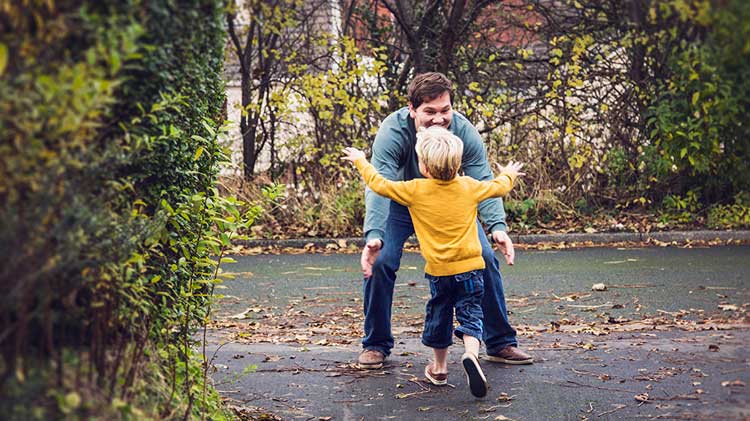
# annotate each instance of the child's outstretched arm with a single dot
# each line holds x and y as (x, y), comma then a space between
(503, 183)
(395, 190)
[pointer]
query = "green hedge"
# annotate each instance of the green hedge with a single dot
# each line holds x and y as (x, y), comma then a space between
(108, 158)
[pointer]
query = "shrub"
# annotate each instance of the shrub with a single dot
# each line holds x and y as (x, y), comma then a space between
(109, 216)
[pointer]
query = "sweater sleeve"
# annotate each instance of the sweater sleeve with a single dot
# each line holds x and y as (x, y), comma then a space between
(400, 191)
(500, 186)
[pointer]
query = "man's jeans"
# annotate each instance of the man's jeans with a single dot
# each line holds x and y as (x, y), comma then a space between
(378, 289)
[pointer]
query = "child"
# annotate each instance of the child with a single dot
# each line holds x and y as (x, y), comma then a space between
(449, 239)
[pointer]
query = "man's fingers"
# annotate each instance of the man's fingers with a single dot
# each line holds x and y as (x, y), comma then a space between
(369, 254)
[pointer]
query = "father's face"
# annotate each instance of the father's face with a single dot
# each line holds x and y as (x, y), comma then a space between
(437, 112)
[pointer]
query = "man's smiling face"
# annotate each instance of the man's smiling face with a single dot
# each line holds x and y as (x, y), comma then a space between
(437, 112)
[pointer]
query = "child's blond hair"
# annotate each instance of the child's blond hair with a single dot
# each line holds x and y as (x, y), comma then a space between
(440, 151)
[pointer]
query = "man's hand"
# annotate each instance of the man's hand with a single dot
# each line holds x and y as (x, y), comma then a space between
(352, 154)
(369, 254)
(505, 245)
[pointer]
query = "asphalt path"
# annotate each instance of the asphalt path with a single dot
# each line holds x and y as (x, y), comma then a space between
(667, 338)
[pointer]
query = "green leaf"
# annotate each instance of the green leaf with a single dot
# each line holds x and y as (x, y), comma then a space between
(198, 153)
(3, 58)
(696, 96)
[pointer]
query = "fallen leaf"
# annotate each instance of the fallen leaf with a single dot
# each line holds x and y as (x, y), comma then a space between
(643, 397)
(505, 398)
(728, 307)
(713, 348)
(588, 346)
(599, 287)
(733, 383)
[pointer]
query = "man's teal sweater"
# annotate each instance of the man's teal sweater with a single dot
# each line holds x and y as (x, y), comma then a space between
(395, 157)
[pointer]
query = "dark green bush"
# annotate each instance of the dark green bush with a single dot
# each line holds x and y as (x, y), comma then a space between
(699, 121)
(108, 157)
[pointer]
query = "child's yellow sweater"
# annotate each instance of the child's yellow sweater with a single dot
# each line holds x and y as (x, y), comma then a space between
(444, 214)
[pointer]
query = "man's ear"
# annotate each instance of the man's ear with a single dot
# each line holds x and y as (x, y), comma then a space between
(412, 111)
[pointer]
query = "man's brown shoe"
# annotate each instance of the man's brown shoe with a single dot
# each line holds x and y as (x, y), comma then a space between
(370, 359)
(510, 355)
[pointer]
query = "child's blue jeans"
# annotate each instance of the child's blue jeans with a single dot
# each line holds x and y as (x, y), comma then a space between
(464, 293)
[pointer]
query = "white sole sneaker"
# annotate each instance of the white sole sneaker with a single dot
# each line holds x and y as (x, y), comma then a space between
(474, 375)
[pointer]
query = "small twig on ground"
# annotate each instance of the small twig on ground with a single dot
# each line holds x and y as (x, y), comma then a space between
(591, 408)
(588, 385)
(737, 370)
(493, 408)
(619, 407)
(550, 348)
(417, 381)
(409, 395)
(632, 286)
(671, 313)
(592, 374)
(607, 304)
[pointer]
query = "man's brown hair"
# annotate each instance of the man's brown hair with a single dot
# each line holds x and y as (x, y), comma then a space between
(427, 86)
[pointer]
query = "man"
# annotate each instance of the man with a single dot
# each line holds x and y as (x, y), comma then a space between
(388, 224)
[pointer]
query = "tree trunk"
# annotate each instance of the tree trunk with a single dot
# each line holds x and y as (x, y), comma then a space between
(249, 155)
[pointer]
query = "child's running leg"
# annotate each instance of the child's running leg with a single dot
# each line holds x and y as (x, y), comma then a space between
(437, 371)
(469, 315)
(441, 360)
(471, 345)
(474, 374)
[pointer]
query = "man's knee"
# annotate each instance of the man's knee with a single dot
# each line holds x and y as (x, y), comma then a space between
(382, 273)
(386, 265)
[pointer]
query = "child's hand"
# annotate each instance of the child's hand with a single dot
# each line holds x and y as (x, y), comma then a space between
(513, 169)
(352, 154)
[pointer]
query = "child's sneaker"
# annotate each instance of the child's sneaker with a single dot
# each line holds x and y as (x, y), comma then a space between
(438, 379)
(474, 374)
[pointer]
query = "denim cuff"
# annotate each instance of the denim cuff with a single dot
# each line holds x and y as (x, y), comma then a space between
(436, 345)
(461, 331)
(385, 351)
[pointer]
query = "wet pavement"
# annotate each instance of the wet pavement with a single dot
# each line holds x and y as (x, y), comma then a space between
(666, 339)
